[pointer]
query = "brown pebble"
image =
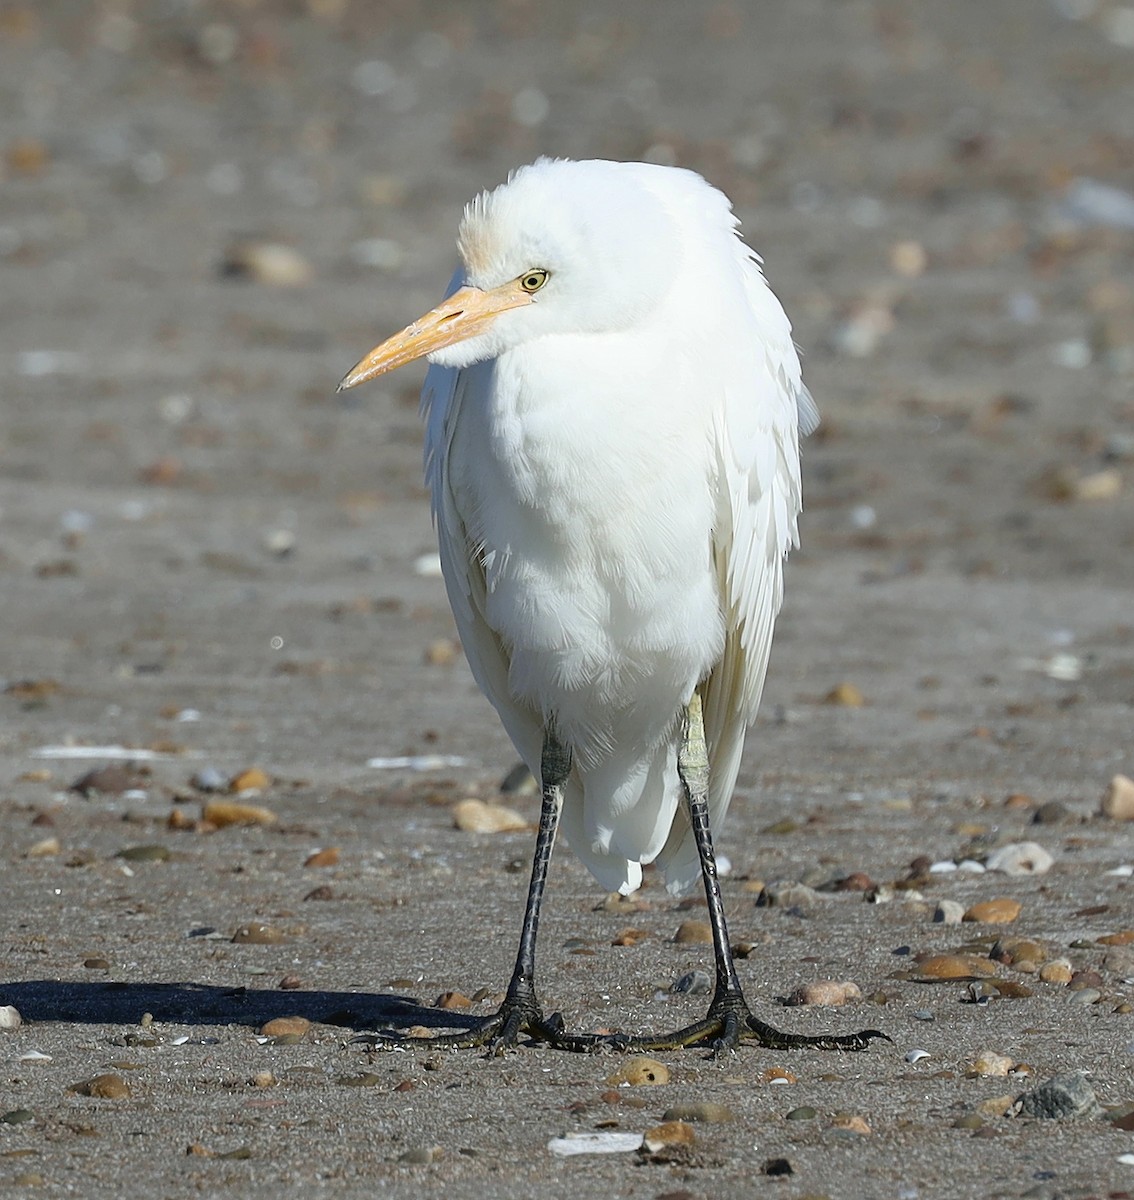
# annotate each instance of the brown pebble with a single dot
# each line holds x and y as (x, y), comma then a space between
(1123, 938)
(452, 1000)
(1001, 911)
(826, 992)
(474, 816)
(1118, 802)
(222, 813)
(251, 779)
(256, 934)
(668, 1133)
(630, 937)
(323, 858)
(274, 264)
(1010, 989)
(96, 964)
(778, 1075)
(856, 881)
(442, 652)
(1056, 971)
(855, 1124)
(107, 781)
(45, 848)
(281, 1026)
(406, 1085)
(103, 1087)
(264, 1079)
(846, 695)
(954, 966)
(290, 983)
(691, 932)
(996, 1106)
(989, 1062)
(640, 1071)
(322, 892)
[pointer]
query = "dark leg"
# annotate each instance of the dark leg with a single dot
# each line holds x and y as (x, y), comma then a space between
(520, 1013)
(729, 1019)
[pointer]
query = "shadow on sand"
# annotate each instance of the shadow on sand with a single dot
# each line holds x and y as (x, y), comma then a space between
(203, 1004)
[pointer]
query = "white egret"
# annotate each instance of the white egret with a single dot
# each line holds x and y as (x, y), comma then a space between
(613, 414)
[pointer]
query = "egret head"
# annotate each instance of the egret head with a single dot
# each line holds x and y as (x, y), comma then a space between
(562, 247)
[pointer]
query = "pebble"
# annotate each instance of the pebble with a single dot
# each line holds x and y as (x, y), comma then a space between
(639, 1071)
(705, 1113)
(845, 695)
(826, 992)
(1065, 1095)
(1118, 802)
(916, 1055)
(954, 966)
(948, 912)
(475, 816)
(1001, 911)
(1020, 858)
(778, 1075)
(328, 857)
(365, 1079)
(1051, 813)
(253, 933)
(10, 1017)
(103, 1087)
(852, 1124)
(803, 1113)
(272, 263)
(45, 848)
(1022, 953)
(996, 1106)
(452, 1000)
(251, 779)
(786, 893)
(222, 813)
(1056, 971)
(279, 1026)
(694, 933)
(1085, 996)
(693, 983)
(989, 1062)
(442, 652)
(152, 853)
(668, 1133)
(420, 1156)
(594, 1143)
(209, 779)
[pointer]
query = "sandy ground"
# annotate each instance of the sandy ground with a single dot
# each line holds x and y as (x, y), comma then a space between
(192, 525)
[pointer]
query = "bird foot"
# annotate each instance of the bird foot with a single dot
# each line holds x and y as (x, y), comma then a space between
(520, 1015)
(730, 1022)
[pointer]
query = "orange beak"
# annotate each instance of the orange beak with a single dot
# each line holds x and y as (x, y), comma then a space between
(464, 314)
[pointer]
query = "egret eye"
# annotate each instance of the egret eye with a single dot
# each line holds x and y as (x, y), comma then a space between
(532, 281)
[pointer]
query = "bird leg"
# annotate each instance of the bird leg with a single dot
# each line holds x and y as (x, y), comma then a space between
(729, 1019)
(520, 1013)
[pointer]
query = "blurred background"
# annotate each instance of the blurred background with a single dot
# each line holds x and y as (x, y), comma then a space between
(209, 210)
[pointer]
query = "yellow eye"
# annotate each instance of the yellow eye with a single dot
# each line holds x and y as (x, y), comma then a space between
(532, 281)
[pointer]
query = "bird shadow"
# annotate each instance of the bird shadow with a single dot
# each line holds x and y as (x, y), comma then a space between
(118, 1003)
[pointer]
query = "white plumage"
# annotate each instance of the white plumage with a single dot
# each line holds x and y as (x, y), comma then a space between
(613, 456)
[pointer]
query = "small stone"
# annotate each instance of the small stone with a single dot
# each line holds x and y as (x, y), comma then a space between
(420, 1155)
(781, 1168)
(474, 816)
(1001, 911)
(1085, 996)
(1020, 858)
(640, 1071)
(694, 933)
(253, 933)
(778, 1075)
(705, 1113)
(803, 1113)
(995, 1106)
(948, 912)
(1067, 1095)
(826, 992)
(1056, 971)
(452, 1000)
(365, 1079)
(144, 854)
(989, 1062)
(1122, 938)
(969, 1121)
(45, 848)
(103, 1087)
(845, 695)
(788, 893)
(1118, 802)
(692, 983)
(916, 1055)
(853, 1124)
(290, 983)
(630, 937)
(222, 813)
(281, 1026)
(264, 1079)
(274, 264)
(442, 652)
(10, 1017)
(96, 964)
(251, 779)
(1022, 953)
(1010, 989)
(954, 966)
(323, 858)
(17, 1116)
(1051, 813)
(668, 1133)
